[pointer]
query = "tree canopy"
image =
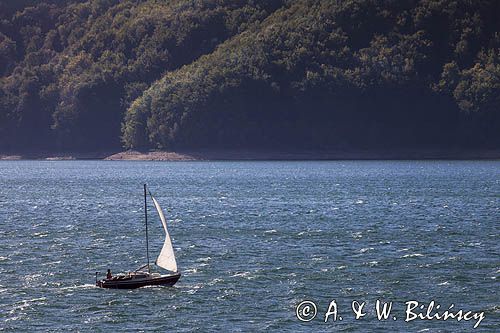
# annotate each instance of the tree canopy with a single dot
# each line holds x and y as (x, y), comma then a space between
(102, 74)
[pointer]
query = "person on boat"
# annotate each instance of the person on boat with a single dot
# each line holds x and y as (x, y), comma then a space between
(108, 275)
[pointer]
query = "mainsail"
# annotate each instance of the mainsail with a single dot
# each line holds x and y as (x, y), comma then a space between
(166, 259)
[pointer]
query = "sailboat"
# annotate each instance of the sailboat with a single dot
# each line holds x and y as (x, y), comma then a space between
(143, 276)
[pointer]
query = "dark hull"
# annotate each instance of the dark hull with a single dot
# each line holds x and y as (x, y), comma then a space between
(167, 281)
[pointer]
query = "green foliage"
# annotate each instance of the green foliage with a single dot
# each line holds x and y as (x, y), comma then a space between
(77, 65)
(312, 69)
(97, 74)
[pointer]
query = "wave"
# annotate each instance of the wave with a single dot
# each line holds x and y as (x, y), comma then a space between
(412, 255)
(76, 287)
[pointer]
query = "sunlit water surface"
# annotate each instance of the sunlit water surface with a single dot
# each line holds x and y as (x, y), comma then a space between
(252, 239)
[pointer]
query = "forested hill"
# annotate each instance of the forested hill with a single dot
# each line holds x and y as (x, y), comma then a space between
(297, 74)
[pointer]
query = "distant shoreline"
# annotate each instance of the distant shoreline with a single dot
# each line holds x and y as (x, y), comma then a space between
(258, 155)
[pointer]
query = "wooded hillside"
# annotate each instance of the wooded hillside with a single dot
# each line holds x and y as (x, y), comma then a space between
(96, 75)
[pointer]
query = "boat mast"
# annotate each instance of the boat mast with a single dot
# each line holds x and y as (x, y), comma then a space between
(146, 218)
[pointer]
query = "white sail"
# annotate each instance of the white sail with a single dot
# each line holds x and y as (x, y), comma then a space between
(166, 259)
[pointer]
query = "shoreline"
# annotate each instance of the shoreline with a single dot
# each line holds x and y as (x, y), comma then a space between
(258, 155)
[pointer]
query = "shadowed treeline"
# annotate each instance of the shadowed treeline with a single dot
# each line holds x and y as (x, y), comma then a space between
(90, 75)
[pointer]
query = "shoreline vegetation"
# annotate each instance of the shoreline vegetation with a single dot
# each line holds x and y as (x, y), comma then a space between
(298, 75)
(258, 155)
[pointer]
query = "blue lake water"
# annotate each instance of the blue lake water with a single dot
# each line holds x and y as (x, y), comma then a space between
(252, 240)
